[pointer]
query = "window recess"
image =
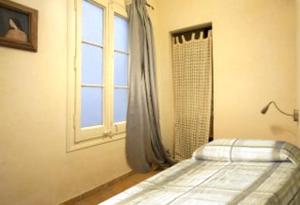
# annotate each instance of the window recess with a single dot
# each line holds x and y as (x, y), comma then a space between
(97, 82)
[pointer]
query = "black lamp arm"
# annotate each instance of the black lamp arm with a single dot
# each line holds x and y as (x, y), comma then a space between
(295, 114)
(276, 106)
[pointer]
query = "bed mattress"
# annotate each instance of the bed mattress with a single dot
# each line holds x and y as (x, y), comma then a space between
(223, 173)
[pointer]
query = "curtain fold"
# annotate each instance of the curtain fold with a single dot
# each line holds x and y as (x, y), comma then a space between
(143, 137)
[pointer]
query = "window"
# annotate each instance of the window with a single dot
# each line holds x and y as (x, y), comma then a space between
(98, 61)
(91, 65)
(120, 68)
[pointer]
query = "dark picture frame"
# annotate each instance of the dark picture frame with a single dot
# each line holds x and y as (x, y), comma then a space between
(18, 26)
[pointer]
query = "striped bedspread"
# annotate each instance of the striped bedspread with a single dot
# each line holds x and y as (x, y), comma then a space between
(222, 172)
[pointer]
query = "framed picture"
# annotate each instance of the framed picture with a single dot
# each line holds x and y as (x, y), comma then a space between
(18, 26)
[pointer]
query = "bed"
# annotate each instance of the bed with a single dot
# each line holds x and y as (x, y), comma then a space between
(224, 172)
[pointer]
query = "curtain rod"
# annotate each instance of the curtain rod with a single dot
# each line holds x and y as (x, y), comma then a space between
(147, 4)
(202, 27)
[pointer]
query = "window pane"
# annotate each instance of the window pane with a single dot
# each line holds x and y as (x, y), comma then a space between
(121, 34)
(120, 72)
(92, 23)
(91, 107)
(91, 68)
(120, 105)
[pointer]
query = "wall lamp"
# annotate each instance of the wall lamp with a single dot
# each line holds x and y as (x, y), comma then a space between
(295, 114)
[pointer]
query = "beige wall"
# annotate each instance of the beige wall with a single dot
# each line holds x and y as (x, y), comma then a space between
(34, 166)
(298, 59)
(254, 62)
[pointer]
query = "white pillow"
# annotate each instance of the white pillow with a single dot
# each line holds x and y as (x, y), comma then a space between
(248, 150)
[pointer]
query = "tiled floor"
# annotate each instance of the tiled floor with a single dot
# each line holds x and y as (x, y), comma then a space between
(113, 189)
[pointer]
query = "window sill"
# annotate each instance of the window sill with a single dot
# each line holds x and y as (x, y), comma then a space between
(73, 146)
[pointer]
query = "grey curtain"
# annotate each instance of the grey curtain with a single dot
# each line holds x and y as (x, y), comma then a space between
(143, 137)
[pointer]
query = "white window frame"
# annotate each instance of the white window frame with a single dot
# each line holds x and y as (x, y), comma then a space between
(117, 10)
(77, 137)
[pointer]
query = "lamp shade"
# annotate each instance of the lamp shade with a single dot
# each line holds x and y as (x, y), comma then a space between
(264, 110)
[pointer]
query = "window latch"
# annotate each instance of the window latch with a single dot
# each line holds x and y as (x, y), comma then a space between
(107, 133)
